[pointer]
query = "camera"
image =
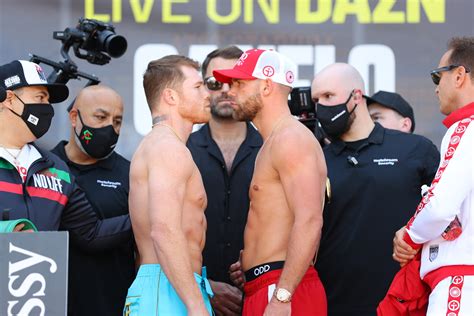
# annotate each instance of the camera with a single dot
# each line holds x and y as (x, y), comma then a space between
(302, 106)
(92, 40)
(301, 103)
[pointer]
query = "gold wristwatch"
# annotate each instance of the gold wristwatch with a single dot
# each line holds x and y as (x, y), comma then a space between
(282, 295)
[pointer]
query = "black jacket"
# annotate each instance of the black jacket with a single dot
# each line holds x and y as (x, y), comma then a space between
(51, 199)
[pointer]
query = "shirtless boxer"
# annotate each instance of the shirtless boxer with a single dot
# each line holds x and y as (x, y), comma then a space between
(167, 197)
(287, 191)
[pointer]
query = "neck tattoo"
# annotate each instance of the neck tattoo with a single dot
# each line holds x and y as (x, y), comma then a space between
(172, 129)
(158, 119)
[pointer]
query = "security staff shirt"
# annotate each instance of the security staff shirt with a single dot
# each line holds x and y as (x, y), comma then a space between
(375, 188)
(227, 198)
(98, 282)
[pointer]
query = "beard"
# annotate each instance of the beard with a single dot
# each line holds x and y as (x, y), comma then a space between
(248, 109)
(350, 121)
(221, 107)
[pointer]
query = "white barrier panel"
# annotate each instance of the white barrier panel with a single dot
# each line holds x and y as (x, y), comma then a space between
(33, 273)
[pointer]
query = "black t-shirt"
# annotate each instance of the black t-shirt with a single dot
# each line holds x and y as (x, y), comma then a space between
(227, 198)
(373, 195)
(98, 282)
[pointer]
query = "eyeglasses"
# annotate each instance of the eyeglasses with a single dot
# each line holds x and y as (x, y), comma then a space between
(212, 84)
(436, 73)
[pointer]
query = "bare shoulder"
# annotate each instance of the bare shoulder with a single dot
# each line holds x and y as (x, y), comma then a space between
(294, 139)
(158, 150)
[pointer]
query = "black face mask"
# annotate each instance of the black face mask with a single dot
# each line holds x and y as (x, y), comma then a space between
(37, 117)
(334, 119)
(98, 143)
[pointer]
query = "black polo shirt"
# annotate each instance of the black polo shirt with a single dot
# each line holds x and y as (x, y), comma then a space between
(98, 282)
(227, 197)
(374, 194)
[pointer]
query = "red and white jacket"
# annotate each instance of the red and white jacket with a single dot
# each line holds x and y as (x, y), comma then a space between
(450, 197)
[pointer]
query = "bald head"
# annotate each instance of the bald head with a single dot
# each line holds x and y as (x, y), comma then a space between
(98, 106)
(341, 86)
(96, 95)
(341, 74)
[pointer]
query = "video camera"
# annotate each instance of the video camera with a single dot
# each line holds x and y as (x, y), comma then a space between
(301, 105)
(91, 40)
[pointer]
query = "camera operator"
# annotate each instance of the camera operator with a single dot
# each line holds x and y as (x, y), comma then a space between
(375, 175)
(96, 118)
(34, 183)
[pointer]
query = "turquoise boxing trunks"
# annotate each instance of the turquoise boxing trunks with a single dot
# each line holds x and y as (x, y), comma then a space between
(152, 294)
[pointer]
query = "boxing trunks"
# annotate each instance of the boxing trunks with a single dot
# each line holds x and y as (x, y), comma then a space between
(152, 294)
(309, 297)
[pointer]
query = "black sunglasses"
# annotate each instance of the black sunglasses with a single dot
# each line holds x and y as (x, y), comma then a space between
(436, 73)
(212, 83)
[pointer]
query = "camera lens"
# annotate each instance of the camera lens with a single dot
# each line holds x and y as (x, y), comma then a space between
(114, 45)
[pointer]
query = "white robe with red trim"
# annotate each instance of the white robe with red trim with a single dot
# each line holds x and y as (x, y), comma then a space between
(451, 194)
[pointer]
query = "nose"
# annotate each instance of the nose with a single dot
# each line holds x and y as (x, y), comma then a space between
(231, 92)
(437, 90)
(225, 87)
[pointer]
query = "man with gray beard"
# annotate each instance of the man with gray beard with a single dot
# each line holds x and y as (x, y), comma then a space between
(224, 151)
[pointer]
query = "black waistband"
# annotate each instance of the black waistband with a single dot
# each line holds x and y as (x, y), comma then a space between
(258, 271)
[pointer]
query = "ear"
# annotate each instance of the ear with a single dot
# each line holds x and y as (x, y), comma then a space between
(267, 86)
(460, 77)
(9, 97)
(357, 95)
(73, 117)
(170, 96)
(406, 125)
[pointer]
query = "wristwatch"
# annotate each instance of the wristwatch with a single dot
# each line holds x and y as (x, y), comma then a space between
(282, 295)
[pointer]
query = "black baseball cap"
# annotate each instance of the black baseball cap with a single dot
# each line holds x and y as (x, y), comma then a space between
(395, 102)
(23, 73)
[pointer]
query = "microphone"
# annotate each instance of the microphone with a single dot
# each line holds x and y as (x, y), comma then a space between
(352, 161)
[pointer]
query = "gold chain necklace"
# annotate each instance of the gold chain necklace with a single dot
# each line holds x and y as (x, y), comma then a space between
(172, 129)
(277, 124)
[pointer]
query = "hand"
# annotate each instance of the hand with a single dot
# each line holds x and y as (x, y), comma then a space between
(402, 252)
(19, 227)
(227, 300)
(236, 274)
(275, 308)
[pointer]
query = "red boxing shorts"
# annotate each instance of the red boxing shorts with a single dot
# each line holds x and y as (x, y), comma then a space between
(309, 297)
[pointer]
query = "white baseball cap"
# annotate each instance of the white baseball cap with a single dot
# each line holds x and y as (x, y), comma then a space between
(260, 64)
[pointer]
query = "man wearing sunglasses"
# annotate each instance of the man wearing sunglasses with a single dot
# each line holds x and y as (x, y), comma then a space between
(443, 226)
(224, 151)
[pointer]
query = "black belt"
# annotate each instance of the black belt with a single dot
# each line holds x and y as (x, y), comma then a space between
(258, 271)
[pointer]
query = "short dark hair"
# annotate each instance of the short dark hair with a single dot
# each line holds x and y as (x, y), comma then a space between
(462, 53)
(229, 52)
(165, 73)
